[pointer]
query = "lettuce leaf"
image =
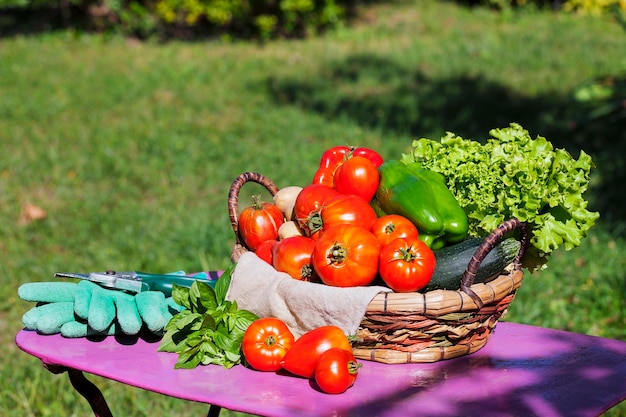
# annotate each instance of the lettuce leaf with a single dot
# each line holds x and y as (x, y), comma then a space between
(514, 175)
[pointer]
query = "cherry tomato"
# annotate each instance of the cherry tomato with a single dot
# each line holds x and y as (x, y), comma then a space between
(392, 226)
(293, 256)
(308, 204)
(336, 371)
(345, 209)
(266, 342)
(357, 176)
(259, 222)
(265, 251)
(406, 265)
(303, 356)
(346, 256)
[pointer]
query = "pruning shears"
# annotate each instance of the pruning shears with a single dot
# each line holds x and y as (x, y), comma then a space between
(135, 281)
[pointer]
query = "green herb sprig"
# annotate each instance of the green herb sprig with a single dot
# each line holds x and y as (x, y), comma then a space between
(209, 329)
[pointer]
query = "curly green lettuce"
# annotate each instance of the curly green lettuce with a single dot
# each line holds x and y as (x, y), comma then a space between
(513, 175)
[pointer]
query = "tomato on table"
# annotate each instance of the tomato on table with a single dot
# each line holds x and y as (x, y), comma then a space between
(336, 370)
(346, 256)
(266, 342)
(303, 356)
(406, 265)
(392, 226)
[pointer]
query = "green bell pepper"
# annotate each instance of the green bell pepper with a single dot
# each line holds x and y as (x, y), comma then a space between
(423, 197)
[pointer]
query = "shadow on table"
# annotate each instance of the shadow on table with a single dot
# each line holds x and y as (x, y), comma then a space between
(547, 381)
(380, 94)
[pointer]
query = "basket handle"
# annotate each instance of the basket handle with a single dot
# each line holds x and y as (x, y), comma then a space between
(233, 200)
(488, 244)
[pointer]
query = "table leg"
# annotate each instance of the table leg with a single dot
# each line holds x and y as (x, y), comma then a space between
(214, 411)
(86, 388)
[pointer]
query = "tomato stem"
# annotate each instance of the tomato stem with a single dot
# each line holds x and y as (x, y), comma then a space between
(389, 228)
(270, 340)
(353, 367)
(256, 202)
(314, 222)
(405, 254)
(338, 254)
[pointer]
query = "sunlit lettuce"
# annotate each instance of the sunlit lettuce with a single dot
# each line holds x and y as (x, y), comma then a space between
(513, 175)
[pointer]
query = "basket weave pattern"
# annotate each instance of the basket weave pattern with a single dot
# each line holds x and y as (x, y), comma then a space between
(424, 327)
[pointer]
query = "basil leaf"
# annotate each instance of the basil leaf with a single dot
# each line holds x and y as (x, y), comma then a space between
(180, 295)
(221, 287)
(210, 329)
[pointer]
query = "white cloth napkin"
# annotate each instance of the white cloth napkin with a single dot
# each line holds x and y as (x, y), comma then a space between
(303, 306)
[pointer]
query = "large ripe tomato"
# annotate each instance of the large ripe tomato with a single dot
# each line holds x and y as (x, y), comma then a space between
(259, 222)
(347, 209)
(293, 256)
(266, 342)
(308, 204)
(303, 356)
(406, 265)
(392, 226)
(336, 371)
(357, 176)
(346, 256)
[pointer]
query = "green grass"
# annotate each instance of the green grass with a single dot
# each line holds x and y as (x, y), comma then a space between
(131, 148)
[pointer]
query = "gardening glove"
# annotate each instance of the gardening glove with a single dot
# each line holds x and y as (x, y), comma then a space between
(78, 310)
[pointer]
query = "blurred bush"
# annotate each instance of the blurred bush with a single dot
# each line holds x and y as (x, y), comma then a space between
(257, 19)
(579, 6)
(260, 19)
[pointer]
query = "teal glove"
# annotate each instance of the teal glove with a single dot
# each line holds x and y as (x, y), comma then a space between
(78, 310)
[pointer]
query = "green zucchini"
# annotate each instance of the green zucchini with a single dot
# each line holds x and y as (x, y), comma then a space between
(452, 262)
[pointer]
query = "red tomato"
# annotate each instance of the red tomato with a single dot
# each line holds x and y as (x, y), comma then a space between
(266, 342)
(331, 160)
(303, 356)
(392, 226)
(259, 222)
(336, 371)
(293, 256)
(357, 176)
(308, 204)
(265, 251)
(370, 154)
(346, 256)
(325, 176)
(334, 157)
(406, 265)
(346, 209)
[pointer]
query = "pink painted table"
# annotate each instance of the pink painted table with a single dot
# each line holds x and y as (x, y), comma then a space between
(522, 371)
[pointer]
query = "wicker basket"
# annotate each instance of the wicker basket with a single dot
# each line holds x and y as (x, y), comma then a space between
(424, 327)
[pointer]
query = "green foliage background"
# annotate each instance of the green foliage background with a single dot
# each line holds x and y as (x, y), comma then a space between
(130, 149)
